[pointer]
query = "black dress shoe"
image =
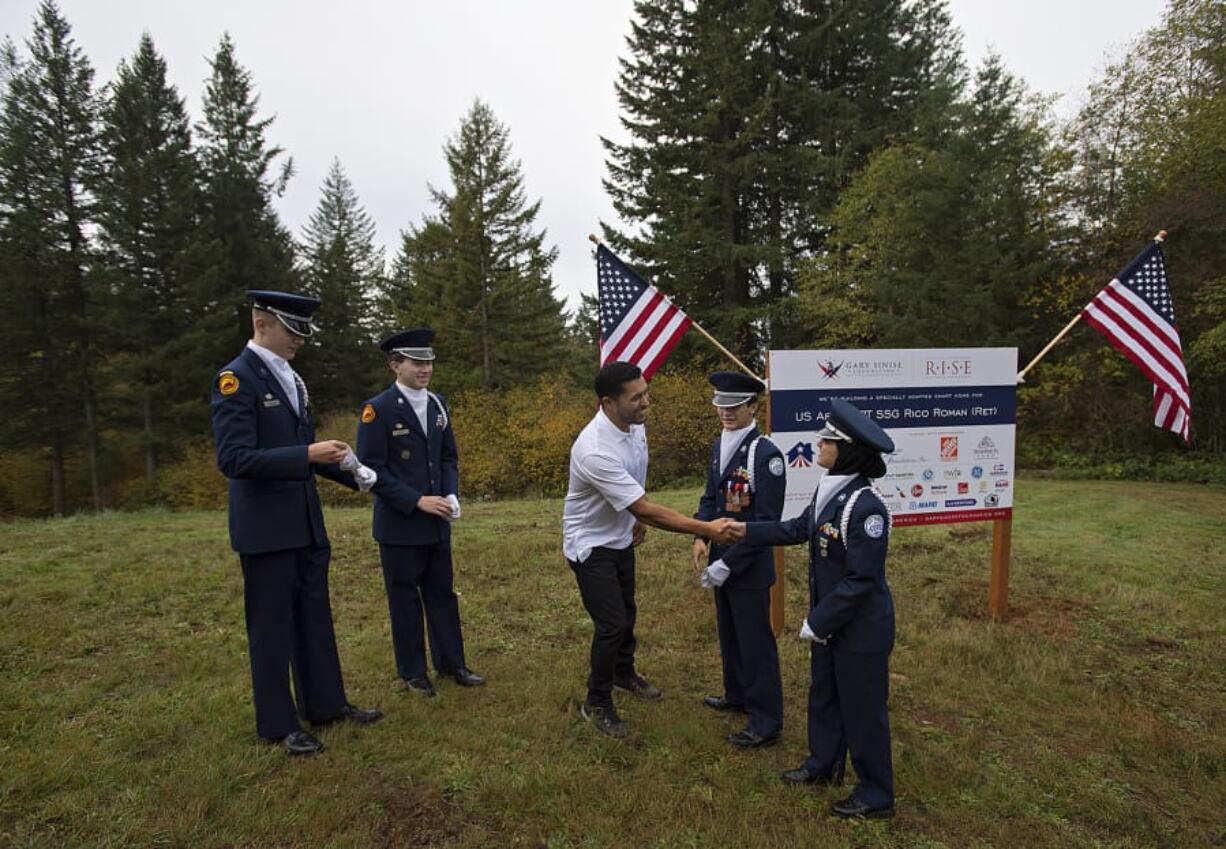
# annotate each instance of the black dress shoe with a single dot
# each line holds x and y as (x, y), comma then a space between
(302, 743)
(853, 808)
(362, 716)
(419, 685)
(747, 739)
(800, 775)
(721, 704)
(465, 677)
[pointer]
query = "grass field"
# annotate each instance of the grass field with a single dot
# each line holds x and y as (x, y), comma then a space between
(1093, 715)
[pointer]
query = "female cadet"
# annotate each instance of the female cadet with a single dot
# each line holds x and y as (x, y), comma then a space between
(851, 616)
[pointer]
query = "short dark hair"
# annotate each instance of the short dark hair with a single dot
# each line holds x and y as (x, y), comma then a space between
(613, 376)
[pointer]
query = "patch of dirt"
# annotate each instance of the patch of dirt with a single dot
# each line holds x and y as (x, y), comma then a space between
(962, 533)
(1051, 616)
(420, 816)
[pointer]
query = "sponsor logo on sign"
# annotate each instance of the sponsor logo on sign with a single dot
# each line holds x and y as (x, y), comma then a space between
(1003, 483)
(920, 505)
(999, 469)
(917, 490)
(800, 455)
(960, 502)
(860, 368)
(991, 499)
(947, 368)
(938, 488)
(929, 474)
(963, 487)
(983, 486)
(976, 472)
(986, 449)
(949, 448)
(952, 474)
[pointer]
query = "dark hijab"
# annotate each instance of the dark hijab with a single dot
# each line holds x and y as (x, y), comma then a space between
(856, 459)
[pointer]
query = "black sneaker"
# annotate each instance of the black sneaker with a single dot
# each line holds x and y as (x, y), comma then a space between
(639, 686)
(605, 718)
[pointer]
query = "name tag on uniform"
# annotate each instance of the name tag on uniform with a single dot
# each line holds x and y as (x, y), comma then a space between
(400, 430)
(272, 403)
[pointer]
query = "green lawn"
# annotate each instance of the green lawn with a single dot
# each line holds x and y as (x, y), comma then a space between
(1094, 715)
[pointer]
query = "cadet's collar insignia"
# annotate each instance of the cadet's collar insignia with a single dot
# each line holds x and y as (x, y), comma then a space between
(744, 448)
(400, 400)
(842, 497)
(440, 422)
(227, 383)
(368, 414)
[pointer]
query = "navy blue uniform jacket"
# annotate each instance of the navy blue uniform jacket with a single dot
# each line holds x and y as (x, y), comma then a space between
(410, 464)
(750, 567)
(262, 448)
(848, 594)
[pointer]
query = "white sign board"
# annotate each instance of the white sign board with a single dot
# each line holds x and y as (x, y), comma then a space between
(950, 411)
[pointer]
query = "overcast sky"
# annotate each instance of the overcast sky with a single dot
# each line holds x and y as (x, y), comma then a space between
(382, 85)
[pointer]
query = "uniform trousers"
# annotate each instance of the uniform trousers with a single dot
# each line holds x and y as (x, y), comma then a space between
(847, 710)
(289, 626)
(750, 657)
(417, 577)
(606, 584)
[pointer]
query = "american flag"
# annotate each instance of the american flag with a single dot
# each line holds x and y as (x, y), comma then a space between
(1136, 314)
(637, 323)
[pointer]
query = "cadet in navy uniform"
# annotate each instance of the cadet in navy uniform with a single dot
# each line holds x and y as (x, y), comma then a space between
(851, 620)
(405, 435)
(746, 479)
(266, 447)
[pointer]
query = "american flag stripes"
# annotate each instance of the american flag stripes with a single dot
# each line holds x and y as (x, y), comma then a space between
(1136, 314)
(638, 324)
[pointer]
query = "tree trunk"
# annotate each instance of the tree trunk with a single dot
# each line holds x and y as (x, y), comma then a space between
(150, 456)
(58, 506)
(91, 446)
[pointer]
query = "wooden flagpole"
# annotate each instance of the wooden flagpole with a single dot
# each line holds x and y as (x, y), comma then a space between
(1021, 375)
(700, 329)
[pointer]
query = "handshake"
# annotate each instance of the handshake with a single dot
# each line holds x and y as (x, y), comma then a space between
(725, 531)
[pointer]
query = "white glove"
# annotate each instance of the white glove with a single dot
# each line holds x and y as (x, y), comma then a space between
(714, 575)
(806, 633)
(350, 463)
(455, 508)
(366, 477)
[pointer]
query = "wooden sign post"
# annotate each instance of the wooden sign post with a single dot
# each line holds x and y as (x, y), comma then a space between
(779, 588)
(998, 584)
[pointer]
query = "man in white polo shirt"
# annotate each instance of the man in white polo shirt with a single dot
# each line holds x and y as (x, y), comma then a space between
(603, 519)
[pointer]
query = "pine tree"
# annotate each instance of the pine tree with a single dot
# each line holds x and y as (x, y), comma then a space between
(240, 243)
(48, 165)
(477, 271)
(747, 118)
(344, 268)
(943, 239)
(147, 204)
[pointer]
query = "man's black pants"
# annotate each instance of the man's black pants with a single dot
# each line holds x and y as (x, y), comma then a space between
(289, 626)
(606, 583)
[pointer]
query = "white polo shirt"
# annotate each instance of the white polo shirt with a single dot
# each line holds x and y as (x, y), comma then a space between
(608, 470)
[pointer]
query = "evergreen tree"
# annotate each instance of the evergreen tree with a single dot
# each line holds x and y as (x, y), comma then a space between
(747, 118)
(147, 204)
(240, 243)
(477, 271)
(48, 164)
(345, 269)
(943, 240)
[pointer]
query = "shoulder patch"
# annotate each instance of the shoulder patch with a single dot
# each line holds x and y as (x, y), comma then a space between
(368, 414)
(776, 466)
(227, 383)
(874, 526)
